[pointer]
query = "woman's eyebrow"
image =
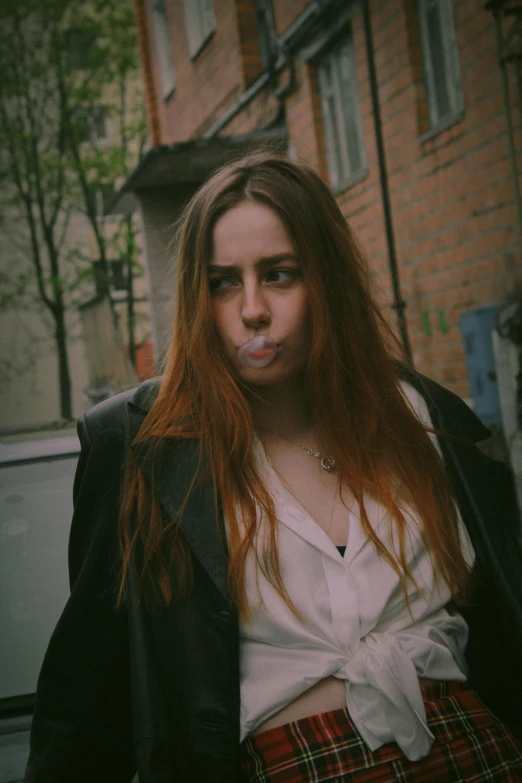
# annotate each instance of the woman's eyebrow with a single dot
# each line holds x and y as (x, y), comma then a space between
(264, 261)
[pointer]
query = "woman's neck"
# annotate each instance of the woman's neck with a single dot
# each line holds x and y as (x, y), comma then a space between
(285, 409)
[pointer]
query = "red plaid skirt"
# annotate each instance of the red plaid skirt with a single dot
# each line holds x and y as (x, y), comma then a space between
(470, 745)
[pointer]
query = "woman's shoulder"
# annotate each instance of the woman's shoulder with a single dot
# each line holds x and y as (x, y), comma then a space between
(120, 416)
(438, 407)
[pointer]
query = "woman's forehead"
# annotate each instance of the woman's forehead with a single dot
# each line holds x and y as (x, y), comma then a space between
(249, 229)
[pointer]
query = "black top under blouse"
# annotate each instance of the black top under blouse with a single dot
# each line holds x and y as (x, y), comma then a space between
(342, 550)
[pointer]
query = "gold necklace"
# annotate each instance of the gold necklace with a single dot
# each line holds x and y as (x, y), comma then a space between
(290, 491)
(327, 462)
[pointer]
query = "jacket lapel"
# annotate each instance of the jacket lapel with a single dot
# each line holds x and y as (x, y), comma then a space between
(173, 471)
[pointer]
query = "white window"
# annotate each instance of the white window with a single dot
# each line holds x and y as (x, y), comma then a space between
(92, 125)
(201, 23)
(441, 62)
(98, 126)
(165, 62)
(341, 114)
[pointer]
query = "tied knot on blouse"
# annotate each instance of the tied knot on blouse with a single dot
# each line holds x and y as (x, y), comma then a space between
(356, 625)
(384, 698)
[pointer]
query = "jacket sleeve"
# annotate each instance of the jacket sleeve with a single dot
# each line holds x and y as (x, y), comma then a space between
(81, 729)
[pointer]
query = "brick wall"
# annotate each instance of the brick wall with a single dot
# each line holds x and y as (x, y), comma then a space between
(451, 195)
(285, 13)
(211, 81)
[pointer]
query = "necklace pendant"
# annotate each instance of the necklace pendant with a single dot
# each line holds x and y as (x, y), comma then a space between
(328, 463)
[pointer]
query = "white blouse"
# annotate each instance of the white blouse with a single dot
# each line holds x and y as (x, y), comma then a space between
(356, 626)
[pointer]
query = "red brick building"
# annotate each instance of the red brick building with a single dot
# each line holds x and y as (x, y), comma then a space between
(223, 74)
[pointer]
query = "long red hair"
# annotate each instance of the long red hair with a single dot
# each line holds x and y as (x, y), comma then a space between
(390, 456)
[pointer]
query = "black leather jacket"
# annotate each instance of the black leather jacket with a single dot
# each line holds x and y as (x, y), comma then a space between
(157, 689)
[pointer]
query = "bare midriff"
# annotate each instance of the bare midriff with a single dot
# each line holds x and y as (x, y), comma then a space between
(326, 695)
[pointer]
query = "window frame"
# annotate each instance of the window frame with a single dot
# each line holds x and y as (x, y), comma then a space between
(86, 120)
(102, 286)
(266, 32)
(450, 59)
(163, 53)
(346, 176)
(200, 24)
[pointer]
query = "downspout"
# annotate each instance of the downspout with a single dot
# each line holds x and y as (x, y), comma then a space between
(398, 303)
(509, 121)
(150, 92)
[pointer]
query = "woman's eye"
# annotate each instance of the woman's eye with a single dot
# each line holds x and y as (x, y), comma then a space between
(219, 283)
(277, 276)
(281, 275)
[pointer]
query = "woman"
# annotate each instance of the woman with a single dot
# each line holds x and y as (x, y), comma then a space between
(271, 579)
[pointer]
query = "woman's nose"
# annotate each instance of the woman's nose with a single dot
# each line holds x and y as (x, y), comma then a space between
(254, 310)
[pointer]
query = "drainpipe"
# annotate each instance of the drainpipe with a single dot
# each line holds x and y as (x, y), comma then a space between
(150, 92)
(398, 302)
(509, 122)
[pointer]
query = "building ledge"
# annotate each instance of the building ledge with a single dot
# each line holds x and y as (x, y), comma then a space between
(189, 163)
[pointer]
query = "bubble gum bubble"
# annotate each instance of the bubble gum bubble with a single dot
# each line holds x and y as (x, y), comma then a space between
(258, 352)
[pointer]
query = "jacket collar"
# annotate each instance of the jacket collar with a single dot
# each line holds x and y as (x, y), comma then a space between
(175, 472)
(449, 413)
(144, 396)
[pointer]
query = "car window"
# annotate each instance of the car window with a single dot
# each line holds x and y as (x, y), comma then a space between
(35, 517)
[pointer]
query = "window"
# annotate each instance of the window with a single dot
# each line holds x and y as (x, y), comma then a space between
(92, 125)
(341, 114)
(100, 195)
(440, 58)
(165, 62)
(201, 23)
(265, 31)
(118, 278)
(98, 125)
(119, 275)
(80, 43)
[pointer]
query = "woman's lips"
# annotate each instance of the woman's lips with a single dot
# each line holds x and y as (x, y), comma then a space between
(258, 352)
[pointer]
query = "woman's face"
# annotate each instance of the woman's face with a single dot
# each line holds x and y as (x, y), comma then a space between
(257, 287)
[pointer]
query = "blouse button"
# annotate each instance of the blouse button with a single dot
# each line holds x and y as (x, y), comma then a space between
(405, 730)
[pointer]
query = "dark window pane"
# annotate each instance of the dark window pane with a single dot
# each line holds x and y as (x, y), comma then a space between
(100, 196)
(82, 126)
(101, 282)
(264, 32)
(119, 275)
(80, 45)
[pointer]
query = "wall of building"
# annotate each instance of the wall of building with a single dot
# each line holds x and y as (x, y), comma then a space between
(452, 199)
(159, 208)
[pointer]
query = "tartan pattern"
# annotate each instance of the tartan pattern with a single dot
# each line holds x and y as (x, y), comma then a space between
(470, 745)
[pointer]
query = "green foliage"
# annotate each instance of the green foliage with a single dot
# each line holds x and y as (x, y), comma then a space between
(72, 124)
(70, 72)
